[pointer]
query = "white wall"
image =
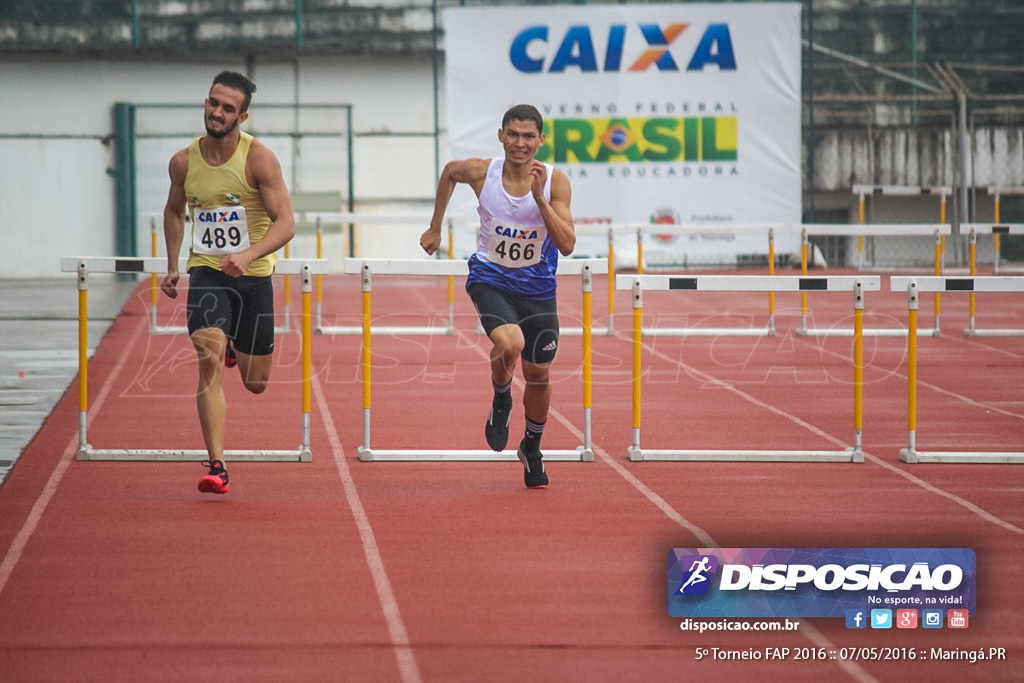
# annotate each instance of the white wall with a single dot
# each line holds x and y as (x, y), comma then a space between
(55, 200)
(56, 139)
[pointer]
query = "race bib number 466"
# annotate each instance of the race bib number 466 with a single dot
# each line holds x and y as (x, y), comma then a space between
(221, 231)
(516, 246)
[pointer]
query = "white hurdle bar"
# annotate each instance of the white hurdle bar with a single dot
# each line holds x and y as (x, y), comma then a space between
(936, 230)
(912, 286)
(107, 264)
(767, 229)
(856, 285)
(352, 219)
(584, 267)
(994, 229)
(381, 266)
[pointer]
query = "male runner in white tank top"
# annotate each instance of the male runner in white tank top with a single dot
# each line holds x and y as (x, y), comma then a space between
(525, 222)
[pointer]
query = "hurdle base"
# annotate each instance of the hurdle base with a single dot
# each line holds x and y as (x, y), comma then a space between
(993, 333)
(168, 330)
(868, 332)
(848, 455)
(909, 455)
(960, 457)
(182, 455)
(352, 329)
(707, 332)
(580, 454)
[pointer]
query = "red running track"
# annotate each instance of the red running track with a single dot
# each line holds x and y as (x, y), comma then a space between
(340, 570)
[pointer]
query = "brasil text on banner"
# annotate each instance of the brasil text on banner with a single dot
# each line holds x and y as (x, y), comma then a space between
(684, 113)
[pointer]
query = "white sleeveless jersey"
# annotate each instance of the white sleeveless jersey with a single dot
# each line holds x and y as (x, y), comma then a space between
(514, 252)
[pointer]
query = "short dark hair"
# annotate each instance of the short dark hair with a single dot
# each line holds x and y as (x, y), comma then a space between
(237, 81)
(524, 112)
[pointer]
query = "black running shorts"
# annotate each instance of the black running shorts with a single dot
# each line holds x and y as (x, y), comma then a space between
(243, 307)
(537, 319)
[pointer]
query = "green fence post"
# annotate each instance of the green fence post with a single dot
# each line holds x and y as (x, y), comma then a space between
(124, 178)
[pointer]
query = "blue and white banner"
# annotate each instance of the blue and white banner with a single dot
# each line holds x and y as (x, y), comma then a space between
(817, 582)
(686, 113)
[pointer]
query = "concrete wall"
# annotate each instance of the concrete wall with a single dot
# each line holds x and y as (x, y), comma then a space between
(56, 142)
(56, 138)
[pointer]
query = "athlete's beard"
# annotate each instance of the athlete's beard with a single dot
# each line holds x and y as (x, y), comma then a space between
(218, 134)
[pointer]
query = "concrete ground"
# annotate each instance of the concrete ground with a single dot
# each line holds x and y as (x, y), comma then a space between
(39, 348)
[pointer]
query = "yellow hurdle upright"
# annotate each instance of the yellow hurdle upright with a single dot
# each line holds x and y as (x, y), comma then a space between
(449, 267)
(106, 264)
(750, 283)
(971, 284)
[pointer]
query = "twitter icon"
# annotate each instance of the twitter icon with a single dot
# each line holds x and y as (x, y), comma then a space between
(881, 618)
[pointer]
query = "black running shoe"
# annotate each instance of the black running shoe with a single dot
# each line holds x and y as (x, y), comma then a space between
(230, 360)
(496, 429)
(217, 479)
(534, 475)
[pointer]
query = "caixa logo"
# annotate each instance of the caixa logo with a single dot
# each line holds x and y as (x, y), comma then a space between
(534, 51)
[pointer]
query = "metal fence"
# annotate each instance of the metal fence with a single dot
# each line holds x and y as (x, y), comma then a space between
(312, 142)
(946, 146)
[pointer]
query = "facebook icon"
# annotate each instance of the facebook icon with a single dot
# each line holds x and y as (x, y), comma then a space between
(856, 618)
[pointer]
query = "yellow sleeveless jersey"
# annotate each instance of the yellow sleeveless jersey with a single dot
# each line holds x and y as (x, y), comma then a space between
(227, 214)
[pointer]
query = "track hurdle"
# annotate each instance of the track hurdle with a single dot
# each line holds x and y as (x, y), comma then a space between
(912, 286)
(997, 193)
(103, 264)
(154, 287)
(348, 218)
(937, 230)
(740, 283)
(767, 229)
(898, 191)
(995, 230)
(584, 267)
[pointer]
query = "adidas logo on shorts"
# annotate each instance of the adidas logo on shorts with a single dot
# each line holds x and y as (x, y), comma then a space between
(551, 346)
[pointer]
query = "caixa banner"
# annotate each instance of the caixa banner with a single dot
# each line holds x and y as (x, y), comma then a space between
(817, 582)
(664, 113)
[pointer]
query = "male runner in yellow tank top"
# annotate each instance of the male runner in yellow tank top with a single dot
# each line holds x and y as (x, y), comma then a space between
(241, 215)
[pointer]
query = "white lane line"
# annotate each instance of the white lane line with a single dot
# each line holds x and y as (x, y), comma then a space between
(808, 631)
(14, 553)
(966, 504)
(407, 666)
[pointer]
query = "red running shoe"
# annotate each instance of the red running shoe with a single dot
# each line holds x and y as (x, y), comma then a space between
(216, 481)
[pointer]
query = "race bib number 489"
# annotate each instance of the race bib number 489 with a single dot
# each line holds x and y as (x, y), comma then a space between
(516, 246)
(219, 232)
